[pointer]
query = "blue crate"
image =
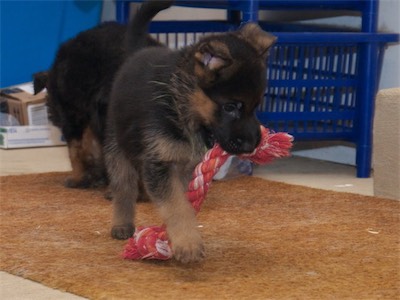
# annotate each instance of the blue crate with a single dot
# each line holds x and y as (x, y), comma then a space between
(314, 84)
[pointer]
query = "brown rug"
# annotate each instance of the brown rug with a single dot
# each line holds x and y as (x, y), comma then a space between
(264, 240)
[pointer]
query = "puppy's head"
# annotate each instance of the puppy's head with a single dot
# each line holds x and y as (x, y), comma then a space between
(230, 73)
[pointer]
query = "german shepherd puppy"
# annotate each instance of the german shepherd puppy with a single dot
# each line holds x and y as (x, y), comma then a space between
(166, 108)
(79, 84)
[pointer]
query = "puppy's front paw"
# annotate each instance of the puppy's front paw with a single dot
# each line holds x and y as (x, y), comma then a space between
(188, 248)
(122, 232)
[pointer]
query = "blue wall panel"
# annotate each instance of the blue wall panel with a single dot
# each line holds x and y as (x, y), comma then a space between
(31, 31)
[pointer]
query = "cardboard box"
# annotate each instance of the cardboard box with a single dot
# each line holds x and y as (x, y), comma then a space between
(19, 105)
(28, 109)
(12, 137)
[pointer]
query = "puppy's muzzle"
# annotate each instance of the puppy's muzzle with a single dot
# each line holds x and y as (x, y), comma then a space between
(240, 145)
(244, 146)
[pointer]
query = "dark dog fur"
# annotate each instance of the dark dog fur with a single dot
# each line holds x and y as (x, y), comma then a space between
(79, 84)
(166, 108)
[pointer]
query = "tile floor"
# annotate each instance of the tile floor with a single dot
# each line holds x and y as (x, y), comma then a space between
(294, 170)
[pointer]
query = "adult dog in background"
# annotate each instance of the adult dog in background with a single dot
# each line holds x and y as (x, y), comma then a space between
(79, 84)
(166, 108)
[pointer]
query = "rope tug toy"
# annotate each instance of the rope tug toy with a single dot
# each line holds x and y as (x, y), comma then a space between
(152, 242)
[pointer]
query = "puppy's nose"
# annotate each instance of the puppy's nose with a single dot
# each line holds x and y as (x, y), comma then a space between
(244, 146)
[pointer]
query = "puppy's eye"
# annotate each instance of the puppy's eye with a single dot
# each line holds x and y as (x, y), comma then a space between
(230, 107)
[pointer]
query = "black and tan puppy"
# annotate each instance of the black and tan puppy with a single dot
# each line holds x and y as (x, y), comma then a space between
(166, 108)
(79, 84)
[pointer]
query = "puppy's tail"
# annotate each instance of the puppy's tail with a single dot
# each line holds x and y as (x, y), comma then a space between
(40, 81)
(138, 28)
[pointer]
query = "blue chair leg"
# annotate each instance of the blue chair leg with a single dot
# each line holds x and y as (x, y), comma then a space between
(250, 11)
(122, 11)
(366, 106)
(366, 92)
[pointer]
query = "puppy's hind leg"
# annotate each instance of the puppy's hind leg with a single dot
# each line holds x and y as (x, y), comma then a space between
(77, 178)
(124, 188)
(87, 164)
(166, 189)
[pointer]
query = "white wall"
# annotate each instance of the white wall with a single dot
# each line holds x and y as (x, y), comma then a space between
(389, 20)
(184, 13)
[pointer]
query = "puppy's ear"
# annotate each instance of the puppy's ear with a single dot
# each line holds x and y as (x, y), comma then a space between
(211, 58)
(40, 80)
(213, 55)
(258, 38)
